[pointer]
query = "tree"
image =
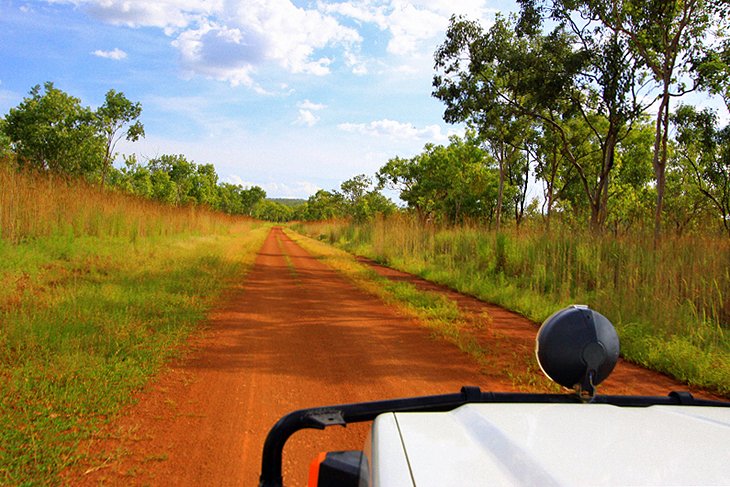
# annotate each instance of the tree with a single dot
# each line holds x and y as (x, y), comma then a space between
(714, 69)
(204, 187)
(272, 211)
(450, 183)
(180, 172)
(704, 149)
(50, 130)
(553, 169)
(6, 150)
(324, 205)
(229, 198)
(514, 69)
(361, 202)
(250, 198)
(111, 118)
(670, 37)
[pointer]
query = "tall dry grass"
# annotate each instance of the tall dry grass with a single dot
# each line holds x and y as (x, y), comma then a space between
(36, 205)
(671, 304)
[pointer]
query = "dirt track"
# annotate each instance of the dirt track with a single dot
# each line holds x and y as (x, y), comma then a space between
(296, 334)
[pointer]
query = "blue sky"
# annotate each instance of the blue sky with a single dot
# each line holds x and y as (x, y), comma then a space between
(292, 96)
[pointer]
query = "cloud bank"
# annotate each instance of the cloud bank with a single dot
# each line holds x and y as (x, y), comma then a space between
(231, 40)
(394, 130)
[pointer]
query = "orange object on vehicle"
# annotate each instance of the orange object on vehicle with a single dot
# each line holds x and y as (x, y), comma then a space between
(314, 469)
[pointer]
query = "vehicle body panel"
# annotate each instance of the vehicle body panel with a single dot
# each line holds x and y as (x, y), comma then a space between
(554, 444)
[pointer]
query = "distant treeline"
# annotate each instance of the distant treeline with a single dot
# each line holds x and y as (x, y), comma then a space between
(572, 99)
(51, 131)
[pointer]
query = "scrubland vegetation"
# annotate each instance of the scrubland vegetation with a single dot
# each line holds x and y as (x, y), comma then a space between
(671, 305)
(97, 290)
(107, 264)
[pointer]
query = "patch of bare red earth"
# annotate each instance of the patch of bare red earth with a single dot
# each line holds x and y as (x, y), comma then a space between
(296, 334)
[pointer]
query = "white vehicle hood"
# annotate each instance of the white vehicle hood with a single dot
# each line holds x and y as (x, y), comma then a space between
(561, 444)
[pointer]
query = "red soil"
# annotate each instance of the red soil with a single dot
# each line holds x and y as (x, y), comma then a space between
(296, 334)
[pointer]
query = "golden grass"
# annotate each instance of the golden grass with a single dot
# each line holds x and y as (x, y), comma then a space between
(40, 205)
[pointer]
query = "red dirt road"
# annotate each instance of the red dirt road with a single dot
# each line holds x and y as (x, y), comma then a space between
(295, 334)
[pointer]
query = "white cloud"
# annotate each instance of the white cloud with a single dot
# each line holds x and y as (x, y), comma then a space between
(306, 117)
(221, 53)
(116, 54)
(297, 189)
(293, 35)
(233, 40)
(306, 113)
(228, 40)
(412, 24)
(169, 15)
(394, 129)
(308, 105)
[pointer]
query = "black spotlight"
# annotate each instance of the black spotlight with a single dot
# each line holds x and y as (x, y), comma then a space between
(577, 348)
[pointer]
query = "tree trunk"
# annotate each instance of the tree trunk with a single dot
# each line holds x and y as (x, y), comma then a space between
(659, 160)
(609, 158)
(500, 191)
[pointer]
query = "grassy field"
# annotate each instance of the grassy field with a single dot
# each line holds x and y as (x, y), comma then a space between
(97, 291)
(671, 306)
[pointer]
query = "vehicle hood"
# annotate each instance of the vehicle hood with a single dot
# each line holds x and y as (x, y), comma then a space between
(567, 444)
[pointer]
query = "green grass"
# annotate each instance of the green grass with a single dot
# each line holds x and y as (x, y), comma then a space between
(84, 321)
(671, 305)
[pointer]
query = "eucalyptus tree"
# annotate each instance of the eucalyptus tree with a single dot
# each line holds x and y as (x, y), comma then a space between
(714, 68)
(6, 151)
(450, 183)
(250, 197)
(500, 124)
(704, 148)
(551, 78)
(671, 37)
(362, 201)
(558, 176)
(51, 130)
(322, 205)
(111, 119)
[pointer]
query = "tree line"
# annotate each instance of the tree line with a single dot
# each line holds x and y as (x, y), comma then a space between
(577, 97)
(51, 131)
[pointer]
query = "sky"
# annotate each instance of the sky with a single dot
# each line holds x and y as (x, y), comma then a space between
(292, 96)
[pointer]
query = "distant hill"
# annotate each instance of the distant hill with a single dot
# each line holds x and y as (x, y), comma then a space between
(292, 202)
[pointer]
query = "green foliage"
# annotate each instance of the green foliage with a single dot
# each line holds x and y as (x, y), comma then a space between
(111, 118)
(271, 211)
(452, 183)
(704, 151)
(361, 202)
(671, 39)
(323, 205)
(175, 180)
(50, 130)
(6, 151)
(520, 85)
